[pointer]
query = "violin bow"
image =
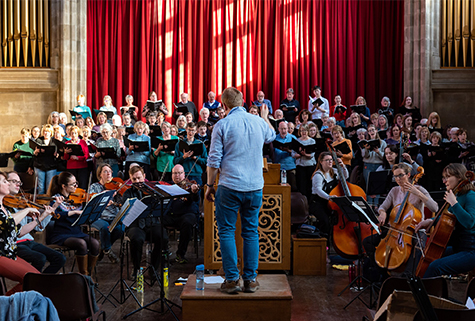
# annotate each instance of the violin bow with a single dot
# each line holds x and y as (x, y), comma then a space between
(163, 174)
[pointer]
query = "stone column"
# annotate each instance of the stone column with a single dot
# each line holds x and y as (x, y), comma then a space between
(421, 50)
(69, 50)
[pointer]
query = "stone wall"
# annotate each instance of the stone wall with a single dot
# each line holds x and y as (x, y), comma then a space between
(29, 95)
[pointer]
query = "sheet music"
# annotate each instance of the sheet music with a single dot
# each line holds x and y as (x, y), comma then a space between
(172, 190)
(137, 208)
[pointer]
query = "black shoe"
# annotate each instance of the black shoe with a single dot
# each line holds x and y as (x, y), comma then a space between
(133, 276)
(101, 256)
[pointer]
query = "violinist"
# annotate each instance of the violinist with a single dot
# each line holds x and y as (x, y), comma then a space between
(418, 197)
(143, 228)
(104, 175)
(460, 257)
(86, 247)
(324, 179)
(182, 213)
(35, 253)
(193, 164)
(11, 266)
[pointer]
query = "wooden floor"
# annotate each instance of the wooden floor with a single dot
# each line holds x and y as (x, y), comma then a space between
(314, 297)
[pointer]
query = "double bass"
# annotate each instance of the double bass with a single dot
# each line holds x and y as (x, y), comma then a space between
(395, 249)
(444, 226)
(346, 241)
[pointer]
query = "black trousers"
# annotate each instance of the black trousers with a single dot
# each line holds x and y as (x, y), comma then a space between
(138, 236)
(184, 223)
(37, 255)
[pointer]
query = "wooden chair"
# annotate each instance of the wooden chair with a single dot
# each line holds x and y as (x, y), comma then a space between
(449, 314)
(70, 294)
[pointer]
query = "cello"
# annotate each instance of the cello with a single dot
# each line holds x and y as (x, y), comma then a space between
(395, 249)
(346, 240)
(444, 226)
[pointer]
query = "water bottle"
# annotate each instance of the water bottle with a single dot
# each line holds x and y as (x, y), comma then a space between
(200, 277)
(165, 276)
(140, 280)
(283, 176)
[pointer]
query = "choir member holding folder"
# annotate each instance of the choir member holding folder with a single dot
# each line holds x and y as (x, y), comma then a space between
(342, 145)
(108, 149)
(164, 151)
(44, 160)
(305, 161)
(76, 153)
(138, 149)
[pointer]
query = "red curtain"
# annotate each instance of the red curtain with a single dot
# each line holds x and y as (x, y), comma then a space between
(351, 48)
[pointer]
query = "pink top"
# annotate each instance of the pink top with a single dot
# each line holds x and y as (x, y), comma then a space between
(396, 196)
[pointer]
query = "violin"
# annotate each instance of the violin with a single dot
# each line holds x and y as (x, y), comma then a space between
(118, 184)
(186, 184)
(395, 249)
(80, 196)
(19, 202)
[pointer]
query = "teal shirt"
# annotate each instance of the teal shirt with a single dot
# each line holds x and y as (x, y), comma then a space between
(188, 163)
(165, 159)
(83, 110)
(464, 210)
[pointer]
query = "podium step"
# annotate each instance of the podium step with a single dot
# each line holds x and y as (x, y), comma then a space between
(270, 303)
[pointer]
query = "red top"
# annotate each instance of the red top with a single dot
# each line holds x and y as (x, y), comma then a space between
(81, 161)
(338, 116)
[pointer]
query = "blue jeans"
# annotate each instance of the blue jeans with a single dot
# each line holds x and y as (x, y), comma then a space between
(108, 238)
(228, 202)
(44, 178)
(450, 264)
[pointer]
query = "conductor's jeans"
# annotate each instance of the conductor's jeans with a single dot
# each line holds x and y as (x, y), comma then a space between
(228, 202)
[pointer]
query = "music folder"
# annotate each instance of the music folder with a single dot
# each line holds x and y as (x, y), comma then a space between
(109, 152)
(197, 148)
(181, 108)
(131, 110)
(139, 146)
(155, 130)
(373, 143)
(108, 113)
(343, 147)
(154, 105)
(360, 109)
(76, 148)
(48, 149)
(168, 145)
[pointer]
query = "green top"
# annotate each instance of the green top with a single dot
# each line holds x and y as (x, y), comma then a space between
(25, 161)
(165, 159)
(464, 210)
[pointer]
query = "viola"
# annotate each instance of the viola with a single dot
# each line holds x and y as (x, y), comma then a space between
(444, 226)
(395, 249)
(345, 237)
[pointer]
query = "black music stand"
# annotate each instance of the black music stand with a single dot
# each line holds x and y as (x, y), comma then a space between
(123, 284)
(378, 183)
(357, 210)
(422, 298)
(159, 196)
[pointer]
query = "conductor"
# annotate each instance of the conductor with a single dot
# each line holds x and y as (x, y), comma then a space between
(236, 151)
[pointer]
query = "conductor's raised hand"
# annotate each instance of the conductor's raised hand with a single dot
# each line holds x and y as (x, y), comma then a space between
(210, 193)
(264, 111)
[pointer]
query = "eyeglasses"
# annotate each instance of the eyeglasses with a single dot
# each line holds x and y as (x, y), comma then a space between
(177, 173)
(328, 160)
(14, 181)
(75, 184)
(399, 176)
(445, 178)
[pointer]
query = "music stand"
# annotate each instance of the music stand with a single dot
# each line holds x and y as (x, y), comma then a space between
(357, 210)
(421, 297)
(124, 211)
(159, 194)
(378, 183)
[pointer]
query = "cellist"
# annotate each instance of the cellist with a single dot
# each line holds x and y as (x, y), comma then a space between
(460, 257)
(418, 197)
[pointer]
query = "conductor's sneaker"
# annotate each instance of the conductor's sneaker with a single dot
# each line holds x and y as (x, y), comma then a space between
(251, 286)
(111, 255)
(230, 287)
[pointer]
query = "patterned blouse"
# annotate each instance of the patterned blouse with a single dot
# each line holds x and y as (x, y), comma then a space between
(9, 232)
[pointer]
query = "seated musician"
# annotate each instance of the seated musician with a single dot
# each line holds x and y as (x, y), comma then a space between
(143, 228)
(193, 164)
(324, 180)
(11, 266)
(460, 257)
(86, 247)
(418, 197)
(104, 175)
(35, 253)
(182, 212)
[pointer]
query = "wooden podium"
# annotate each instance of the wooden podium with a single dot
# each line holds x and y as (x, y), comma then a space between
(274, 227)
